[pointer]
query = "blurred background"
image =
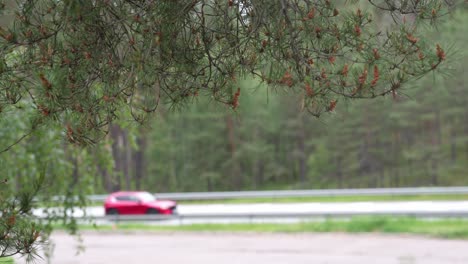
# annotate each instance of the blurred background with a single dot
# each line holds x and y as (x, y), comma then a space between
(418, 138)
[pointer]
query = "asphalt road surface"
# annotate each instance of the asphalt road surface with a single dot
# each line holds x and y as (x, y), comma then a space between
(398, 207)
(224, 248)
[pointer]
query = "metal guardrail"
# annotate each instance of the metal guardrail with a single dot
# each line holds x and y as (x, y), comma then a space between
(260, 216)
(304, 193)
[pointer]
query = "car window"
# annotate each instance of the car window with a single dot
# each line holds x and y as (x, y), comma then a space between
(127, 198)
(146, 197)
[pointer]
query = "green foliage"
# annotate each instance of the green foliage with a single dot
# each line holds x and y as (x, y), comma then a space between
(447, 228)
(40, 170)
(7, 261)
(319, 164)
(83, 65)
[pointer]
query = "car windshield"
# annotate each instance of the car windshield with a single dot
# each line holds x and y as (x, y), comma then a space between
(146, 197)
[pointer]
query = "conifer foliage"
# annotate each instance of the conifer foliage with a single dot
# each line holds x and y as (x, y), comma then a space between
(83, 63)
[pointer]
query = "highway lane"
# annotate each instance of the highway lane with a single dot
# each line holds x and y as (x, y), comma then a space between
(358, 208)
(225, 248)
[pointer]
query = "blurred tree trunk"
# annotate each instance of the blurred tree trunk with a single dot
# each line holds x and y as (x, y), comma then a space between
(302, 151)
(339, 170)
(396, 156)
(435, 142)
(117, 145)
(139, 160)
(76, 169)
(466, 132)
(453, 143)
(259, 175)
(234, 174)
(106, 179)
(125, 152)
(209, 184)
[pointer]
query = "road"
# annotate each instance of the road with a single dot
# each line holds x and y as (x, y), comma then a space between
(224, 248)
(330, 209)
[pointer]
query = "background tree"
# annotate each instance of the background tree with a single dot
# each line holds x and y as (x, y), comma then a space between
(413, 139)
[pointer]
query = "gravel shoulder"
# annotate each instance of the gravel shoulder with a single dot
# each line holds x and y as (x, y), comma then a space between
(265, 248)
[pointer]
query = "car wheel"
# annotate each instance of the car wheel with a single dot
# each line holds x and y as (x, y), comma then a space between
(152, 211)
(112, 211)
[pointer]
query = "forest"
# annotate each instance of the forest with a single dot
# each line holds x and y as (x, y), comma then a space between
(418, 137)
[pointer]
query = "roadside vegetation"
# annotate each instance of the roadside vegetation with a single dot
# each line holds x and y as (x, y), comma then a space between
(441, 228)
(7, 260)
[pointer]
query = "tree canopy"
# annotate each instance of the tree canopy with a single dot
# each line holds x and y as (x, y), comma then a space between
(83, 63)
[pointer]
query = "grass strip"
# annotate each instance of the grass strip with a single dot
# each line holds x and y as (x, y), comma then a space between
(442, 228)
(7, 260)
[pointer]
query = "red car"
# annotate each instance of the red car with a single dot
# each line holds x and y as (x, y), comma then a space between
(131, 203)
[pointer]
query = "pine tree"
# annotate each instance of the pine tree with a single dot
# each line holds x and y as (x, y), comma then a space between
(84, 63)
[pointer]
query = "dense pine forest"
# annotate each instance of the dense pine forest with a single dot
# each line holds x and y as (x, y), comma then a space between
(418, 137)
(415, 137)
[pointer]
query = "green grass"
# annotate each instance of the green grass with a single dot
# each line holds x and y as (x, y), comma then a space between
(335, 199)
(445, 228)
(6, 260)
